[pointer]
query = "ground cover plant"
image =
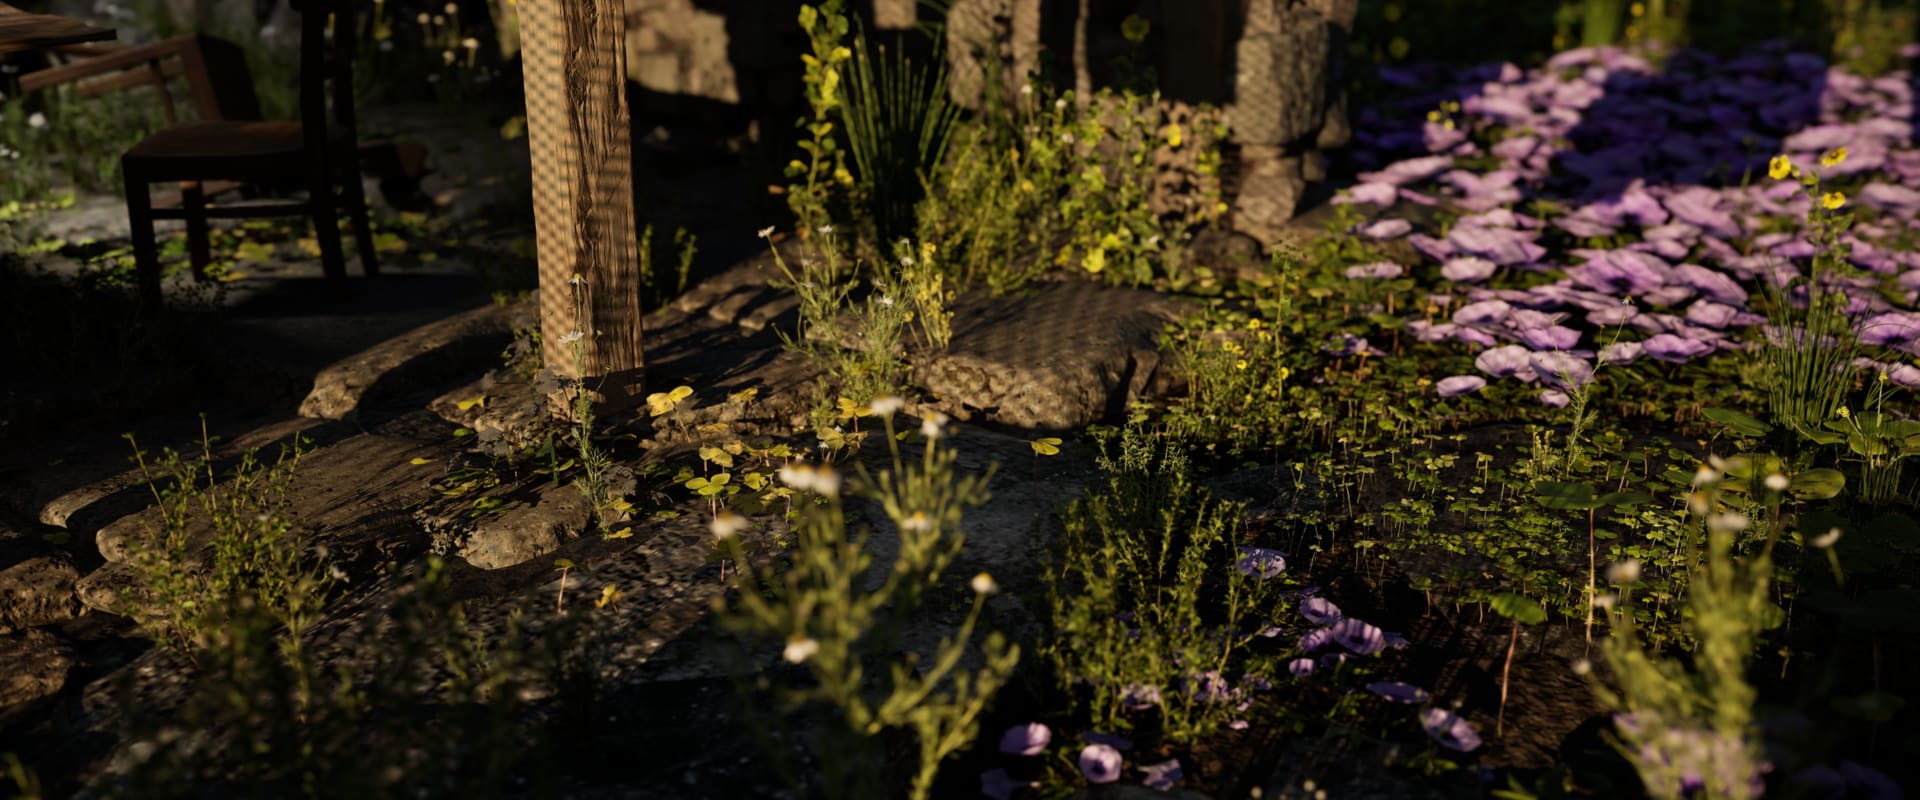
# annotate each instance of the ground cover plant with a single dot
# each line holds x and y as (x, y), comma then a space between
(1566, 463)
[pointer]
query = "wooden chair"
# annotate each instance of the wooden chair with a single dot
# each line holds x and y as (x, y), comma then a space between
(319, 151)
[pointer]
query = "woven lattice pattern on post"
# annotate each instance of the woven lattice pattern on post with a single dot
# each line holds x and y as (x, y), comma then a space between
(579, 137)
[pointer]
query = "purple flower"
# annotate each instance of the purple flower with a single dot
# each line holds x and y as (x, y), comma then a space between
(1895, 329)
(1449, 730)
(1378, 270)
(1379, 194)
(1484, 313)
(1506, 361)
(1619, 271)
(1100, 763)
(1715, 286)
(1030, 739)
(1385, 229)
(1621, 353)
(1554, 398)
(1320, 611)
(1261, 562)
(1550, 337)
(1561, 370)
(1408, 171)
(1467, 269)
(1300, 667)
(1891, 198)
(1161, 776)
(1255, 682)
(1867, 782)
(1209, 687)
(1139, 697)
(1674, 349)
(997, 784)
(1115, 742)
(1399, 692)
(1700, 206)
(1358, 636)
(1238, 724)
(1499, 245)
(1710, 314)
(1315, 639)
(1460, 384)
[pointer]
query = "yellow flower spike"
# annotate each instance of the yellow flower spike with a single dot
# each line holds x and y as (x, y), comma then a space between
(1779, 168)
(1832, 200)
(1835, 157)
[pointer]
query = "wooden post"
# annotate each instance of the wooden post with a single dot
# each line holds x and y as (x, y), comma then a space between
(574, 61)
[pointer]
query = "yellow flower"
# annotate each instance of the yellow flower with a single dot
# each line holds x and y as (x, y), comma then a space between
(1241, 364)
(1096, 261)
(1173, 136)
(1834, 158)
(1832, 200)
(1844, 413)
(1135, 28)
(1779, 168)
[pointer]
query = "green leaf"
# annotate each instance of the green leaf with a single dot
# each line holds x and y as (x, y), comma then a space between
(1737, 422)
(1624, 499)
(1519, 608)
(1817, 484)
(1565, 496)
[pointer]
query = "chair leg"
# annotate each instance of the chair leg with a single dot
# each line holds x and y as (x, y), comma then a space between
(193, 201)
(356, 197)
(326, 228)
(146, 255)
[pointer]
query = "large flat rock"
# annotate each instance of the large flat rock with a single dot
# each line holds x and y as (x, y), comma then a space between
(1061, 357)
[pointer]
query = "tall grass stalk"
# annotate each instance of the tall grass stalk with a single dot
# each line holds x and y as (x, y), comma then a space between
(898, 121)
(1811, 339)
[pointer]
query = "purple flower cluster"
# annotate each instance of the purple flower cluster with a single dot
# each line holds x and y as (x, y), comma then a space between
(1668, 167)
(1682, 760)
(1357, 637)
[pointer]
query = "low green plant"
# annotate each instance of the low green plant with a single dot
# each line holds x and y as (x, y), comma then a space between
(834, 622)
(860, 344)
(810, 191)
(56, 138)
(1149, 605)
(1237, 365)
(434, 708)
(603, 483)
(26, 784)
(222, 546)
(1688, 726)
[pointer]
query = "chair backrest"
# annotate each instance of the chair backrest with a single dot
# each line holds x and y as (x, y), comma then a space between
(326, 67)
